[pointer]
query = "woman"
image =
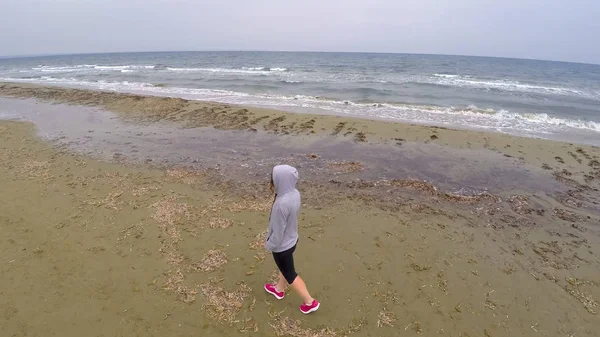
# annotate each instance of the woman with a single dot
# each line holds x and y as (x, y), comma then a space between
(282, 236)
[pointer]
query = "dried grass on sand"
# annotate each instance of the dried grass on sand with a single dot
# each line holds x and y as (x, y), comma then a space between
(573, 288)
(245, 204)
(259, 240)
(211, 261)
(139, 191)
(36, 169)
(175, 283)
(346, 166)
(222, 305)
(258, 243)
(286, 326)
(386, 318)
(110, 201)
(218, 222)
(427, 187)
(168, 212)
(185, 176)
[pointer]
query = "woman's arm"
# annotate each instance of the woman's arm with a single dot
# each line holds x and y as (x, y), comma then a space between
(277, 224)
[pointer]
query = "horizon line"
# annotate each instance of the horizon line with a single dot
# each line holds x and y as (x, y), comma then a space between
(5, 57)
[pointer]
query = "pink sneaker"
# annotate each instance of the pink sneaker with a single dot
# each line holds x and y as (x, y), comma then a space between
(270, 288)
(307, 309)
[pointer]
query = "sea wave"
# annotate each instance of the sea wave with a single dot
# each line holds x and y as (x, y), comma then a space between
(336, 78)
(244, 70)
(446, 75)
(467, 116)
(95, 67)
(87, 68)
(505, 85)
(265, 69)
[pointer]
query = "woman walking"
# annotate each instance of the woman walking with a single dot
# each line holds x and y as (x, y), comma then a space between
(282, 236)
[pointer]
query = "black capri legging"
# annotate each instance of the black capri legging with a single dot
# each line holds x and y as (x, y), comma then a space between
(285, 262)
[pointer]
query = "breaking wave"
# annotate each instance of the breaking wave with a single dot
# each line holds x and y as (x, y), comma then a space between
(468, 116)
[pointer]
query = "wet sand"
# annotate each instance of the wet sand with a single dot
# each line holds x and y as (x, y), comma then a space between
(127, 247)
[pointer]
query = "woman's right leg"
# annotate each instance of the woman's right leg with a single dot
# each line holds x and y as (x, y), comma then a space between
(300, 287)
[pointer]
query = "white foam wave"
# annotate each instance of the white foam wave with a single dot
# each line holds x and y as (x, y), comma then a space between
(507, 85)
(87, 68)
(539, 124)
(543, 118)
(446, 75)
(265, 69)
(245, 71)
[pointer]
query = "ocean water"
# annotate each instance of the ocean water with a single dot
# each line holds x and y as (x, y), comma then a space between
(554, 100)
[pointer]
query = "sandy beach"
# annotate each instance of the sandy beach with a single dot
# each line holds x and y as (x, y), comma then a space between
(102, 239)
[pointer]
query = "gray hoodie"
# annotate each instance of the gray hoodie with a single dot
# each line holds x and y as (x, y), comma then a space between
(283, 223)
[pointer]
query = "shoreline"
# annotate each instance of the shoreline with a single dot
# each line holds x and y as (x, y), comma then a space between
(385, 130)
(520, 124)
(566, 160)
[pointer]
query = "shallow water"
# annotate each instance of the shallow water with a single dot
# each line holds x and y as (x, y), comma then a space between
(242, 155)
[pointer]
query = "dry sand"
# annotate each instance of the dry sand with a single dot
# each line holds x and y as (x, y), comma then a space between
(91, 248)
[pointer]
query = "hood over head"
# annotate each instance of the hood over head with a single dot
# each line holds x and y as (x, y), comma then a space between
(285, 178)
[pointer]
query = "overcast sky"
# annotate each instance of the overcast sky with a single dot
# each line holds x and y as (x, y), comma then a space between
(540, 29)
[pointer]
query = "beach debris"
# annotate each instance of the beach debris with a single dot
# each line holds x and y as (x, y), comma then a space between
(110, 201)
(239, 205)
(174, 283)
(338, 128)
(222, 305)
(418, 267)
(258, 240)
(346, 166)
(416, 326)
(425, 186)
(213, 260)
(136, 231)
(385, 318)
(573, 288)
(520, 204)
(139, 191)
(249, 326)
(219, 223)
(360, 137)
(568, 181)
(286, 326)
(184, 175)
(442, 283)
(36, 169)
(169, 212)
(251, 204)
(258, 243)
(307, 125)
(567, 215)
